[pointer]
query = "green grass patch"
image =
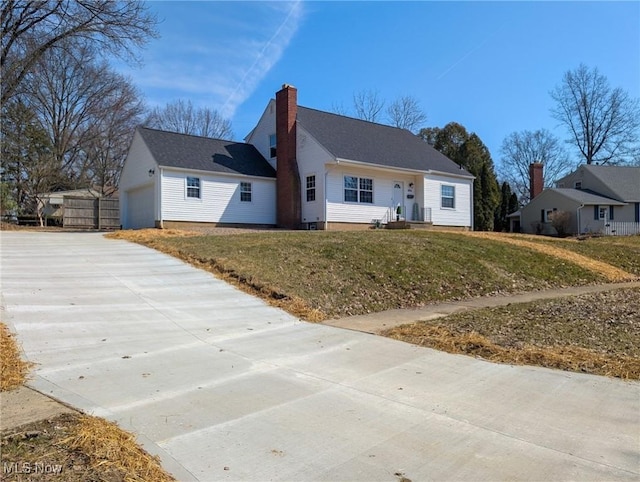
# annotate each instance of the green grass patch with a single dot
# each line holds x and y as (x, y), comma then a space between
(348, 273)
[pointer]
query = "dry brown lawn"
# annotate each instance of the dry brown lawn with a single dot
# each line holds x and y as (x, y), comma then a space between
(596, 333)
(13, 370)
(612, 273)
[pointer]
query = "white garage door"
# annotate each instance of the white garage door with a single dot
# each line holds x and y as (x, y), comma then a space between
(140, 208)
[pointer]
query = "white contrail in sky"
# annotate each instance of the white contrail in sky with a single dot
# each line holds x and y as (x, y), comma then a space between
(265, 59)
(465, 56)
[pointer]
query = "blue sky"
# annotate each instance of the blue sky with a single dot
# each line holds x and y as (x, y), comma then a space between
(488, 66)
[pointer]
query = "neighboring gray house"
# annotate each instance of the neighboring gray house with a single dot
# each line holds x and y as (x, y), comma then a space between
(299, 168)
(598, 199)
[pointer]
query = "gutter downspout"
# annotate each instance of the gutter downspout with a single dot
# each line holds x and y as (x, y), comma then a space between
(159, 187)
(326, 201)
(578, 216)
(324, 195)
(471, 202)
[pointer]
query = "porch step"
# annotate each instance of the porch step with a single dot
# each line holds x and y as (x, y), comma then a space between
(398, 225)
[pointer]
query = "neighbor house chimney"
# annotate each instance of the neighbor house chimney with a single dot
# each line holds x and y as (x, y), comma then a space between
(287, 174)
(536, 179)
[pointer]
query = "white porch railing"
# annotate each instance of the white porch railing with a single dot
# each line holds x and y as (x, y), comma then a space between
(620, 228)
(425, 215)
(422, 215)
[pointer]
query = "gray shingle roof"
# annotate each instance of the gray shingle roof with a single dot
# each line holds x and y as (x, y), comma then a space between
(171, 149)
(358, 140)
(624, 181)
(584, 196)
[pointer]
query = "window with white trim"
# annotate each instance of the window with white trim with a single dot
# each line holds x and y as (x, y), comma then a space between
(193, 187)
(548, 215)
(448, 196)
(272, 145)
(358, 189)
(311, 188)
(602, 213)
(245, 192)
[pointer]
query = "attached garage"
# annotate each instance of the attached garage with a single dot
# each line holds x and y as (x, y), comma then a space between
(139, 208)
(178, 178)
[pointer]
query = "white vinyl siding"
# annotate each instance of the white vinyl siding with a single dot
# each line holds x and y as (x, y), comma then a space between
(220, 198)
(134, 180)
(340, 211)
(260, 135)
(135, 171)
(312, 158)
(460, 214)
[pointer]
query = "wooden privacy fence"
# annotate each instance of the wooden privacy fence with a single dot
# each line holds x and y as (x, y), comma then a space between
(91, 213)
(615, 228)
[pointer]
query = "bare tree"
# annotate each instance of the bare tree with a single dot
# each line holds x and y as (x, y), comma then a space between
(79, 102)
(603, 122)
(406, 113)
(31, 28)
(368, 105)
(339, 108)
(520, 149)
(109, 135)
(183, 117)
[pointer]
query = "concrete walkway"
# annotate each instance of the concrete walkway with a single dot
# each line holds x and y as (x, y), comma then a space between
(378, 322)
(224, 387)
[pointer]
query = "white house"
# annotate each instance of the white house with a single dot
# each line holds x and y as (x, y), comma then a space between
(301, 168)
(171, 179)
(597, 199)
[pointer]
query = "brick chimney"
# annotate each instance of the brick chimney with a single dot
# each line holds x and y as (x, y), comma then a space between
(287, 175)
(536, 179)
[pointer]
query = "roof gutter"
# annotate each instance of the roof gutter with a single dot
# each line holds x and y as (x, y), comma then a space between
(377, 167)
(216, 173)
(451, 174)
(339, 160)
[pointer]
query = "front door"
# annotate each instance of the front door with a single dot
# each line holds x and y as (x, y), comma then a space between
(398, 198)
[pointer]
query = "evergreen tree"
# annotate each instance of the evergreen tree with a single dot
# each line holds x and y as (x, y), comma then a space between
(508, 204)
(28, 165)
(468, 150)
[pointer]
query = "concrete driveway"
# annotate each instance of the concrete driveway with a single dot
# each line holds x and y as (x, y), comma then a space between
(224, 387)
